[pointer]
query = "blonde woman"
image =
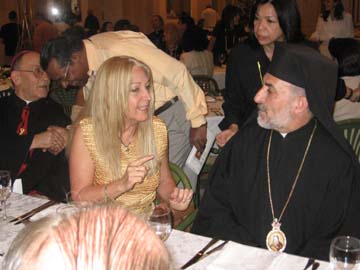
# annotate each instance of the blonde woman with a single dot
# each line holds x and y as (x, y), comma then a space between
(119, 150)
(80, 241)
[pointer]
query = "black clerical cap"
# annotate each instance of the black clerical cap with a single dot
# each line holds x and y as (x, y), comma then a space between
(307, 68)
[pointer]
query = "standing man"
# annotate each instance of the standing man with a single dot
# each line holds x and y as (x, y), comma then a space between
(289, 181)
(10, 33)
(33, 134)
(91, 24)
(179, 101)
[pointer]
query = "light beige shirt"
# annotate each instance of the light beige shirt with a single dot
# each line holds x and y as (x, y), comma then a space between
(171, 77)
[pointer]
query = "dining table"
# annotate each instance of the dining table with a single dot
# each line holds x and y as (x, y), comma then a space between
(182, 246)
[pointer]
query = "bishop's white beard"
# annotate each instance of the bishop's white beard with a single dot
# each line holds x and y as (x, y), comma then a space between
(278, 122)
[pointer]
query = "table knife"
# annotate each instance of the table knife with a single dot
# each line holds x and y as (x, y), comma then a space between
(199, 254)
(32, 212)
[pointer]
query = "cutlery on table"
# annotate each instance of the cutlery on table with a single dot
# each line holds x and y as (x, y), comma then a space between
(219, 247)
(315, 266)
(32, 212)
(309, 263)
(199, 254)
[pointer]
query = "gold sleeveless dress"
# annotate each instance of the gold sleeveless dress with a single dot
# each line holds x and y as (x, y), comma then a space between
(139, 199)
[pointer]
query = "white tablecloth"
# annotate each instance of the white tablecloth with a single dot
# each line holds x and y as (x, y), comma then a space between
(181, 245)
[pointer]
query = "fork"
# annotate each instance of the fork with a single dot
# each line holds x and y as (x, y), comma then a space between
(309, 263)
(315, 266)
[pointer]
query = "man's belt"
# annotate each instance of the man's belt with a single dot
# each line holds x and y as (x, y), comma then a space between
(166, 105)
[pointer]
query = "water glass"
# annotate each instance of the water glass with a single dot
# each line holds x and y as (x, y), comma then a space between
(345, 253)
(5, 190)
(160, 221)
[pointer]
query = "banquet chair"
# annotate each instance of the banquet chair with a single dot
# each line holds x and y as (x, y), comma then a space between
(207, 84)
(351, 131)
(186, 219)
(6, 93)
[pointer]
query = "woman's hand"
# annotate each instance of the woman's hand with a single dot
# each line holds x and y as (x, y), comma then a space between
(135, 173)
(180, 199)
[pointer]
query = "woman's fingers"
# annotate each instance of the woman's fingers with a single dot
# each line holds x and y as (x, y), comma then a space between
(181, 195)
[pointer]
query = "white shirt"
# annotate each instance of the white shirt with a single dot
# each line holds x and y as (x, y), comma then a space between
(198, 63)
(325, 30)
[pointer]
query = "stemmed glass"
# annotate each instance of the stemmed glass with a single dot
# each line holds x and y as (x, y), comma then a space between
(5, 190)
(345, 253)
(160, 221)
(222, 59)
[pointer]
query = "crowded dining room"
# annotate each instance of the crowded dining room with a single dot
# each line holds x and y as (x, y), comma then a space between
(179, 134)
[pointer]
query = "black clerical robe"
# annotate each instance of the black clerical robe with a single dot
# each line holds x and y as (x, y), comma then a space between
(45, 172)
(236, 204)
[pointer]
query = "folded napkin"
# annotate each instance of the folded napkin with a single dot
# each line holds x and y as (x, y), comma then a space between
(237, 256)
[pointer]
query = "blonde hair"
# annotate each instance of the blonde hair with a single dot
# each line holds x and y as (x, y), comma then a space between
(94, 238)
(107, 107)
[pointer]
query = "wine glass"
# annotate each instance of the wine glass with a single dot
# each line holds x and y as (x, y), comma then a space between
(5, 190)
(222, 59)
(160, 221)
(345, 253)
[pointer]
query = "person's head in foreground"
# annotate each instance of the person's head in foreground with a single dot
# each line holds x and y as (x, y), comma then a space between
(94, 238)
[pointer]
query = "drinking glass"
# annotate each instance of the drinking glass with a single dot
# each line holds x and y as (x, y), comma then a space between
(160, 221)
(5, 189)
(222, 59)
(345, 253)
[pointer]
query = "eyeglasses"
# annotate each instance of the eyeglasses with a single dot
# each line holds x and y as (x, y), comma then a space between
(66, 73)
(37, 71)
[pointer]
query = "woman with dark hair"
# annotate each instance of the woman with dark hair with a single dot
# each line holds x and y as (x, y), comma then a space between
(333, 22)
(270, 21)
(106, 27)
(196, 58)
(227, 33)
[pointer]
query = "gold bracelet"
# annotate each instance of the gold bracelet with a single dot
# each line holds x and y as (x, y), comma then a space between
(106, 194)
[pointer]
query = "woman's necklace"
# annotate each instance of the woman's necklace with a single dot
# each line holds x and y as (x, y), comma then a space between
(126, 146)
(276, 239)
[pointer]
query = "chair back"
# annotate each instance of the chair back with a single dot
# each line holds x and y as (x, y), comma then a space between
(351, 131)
(207, 84)
(181, 178)
(6, 93)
